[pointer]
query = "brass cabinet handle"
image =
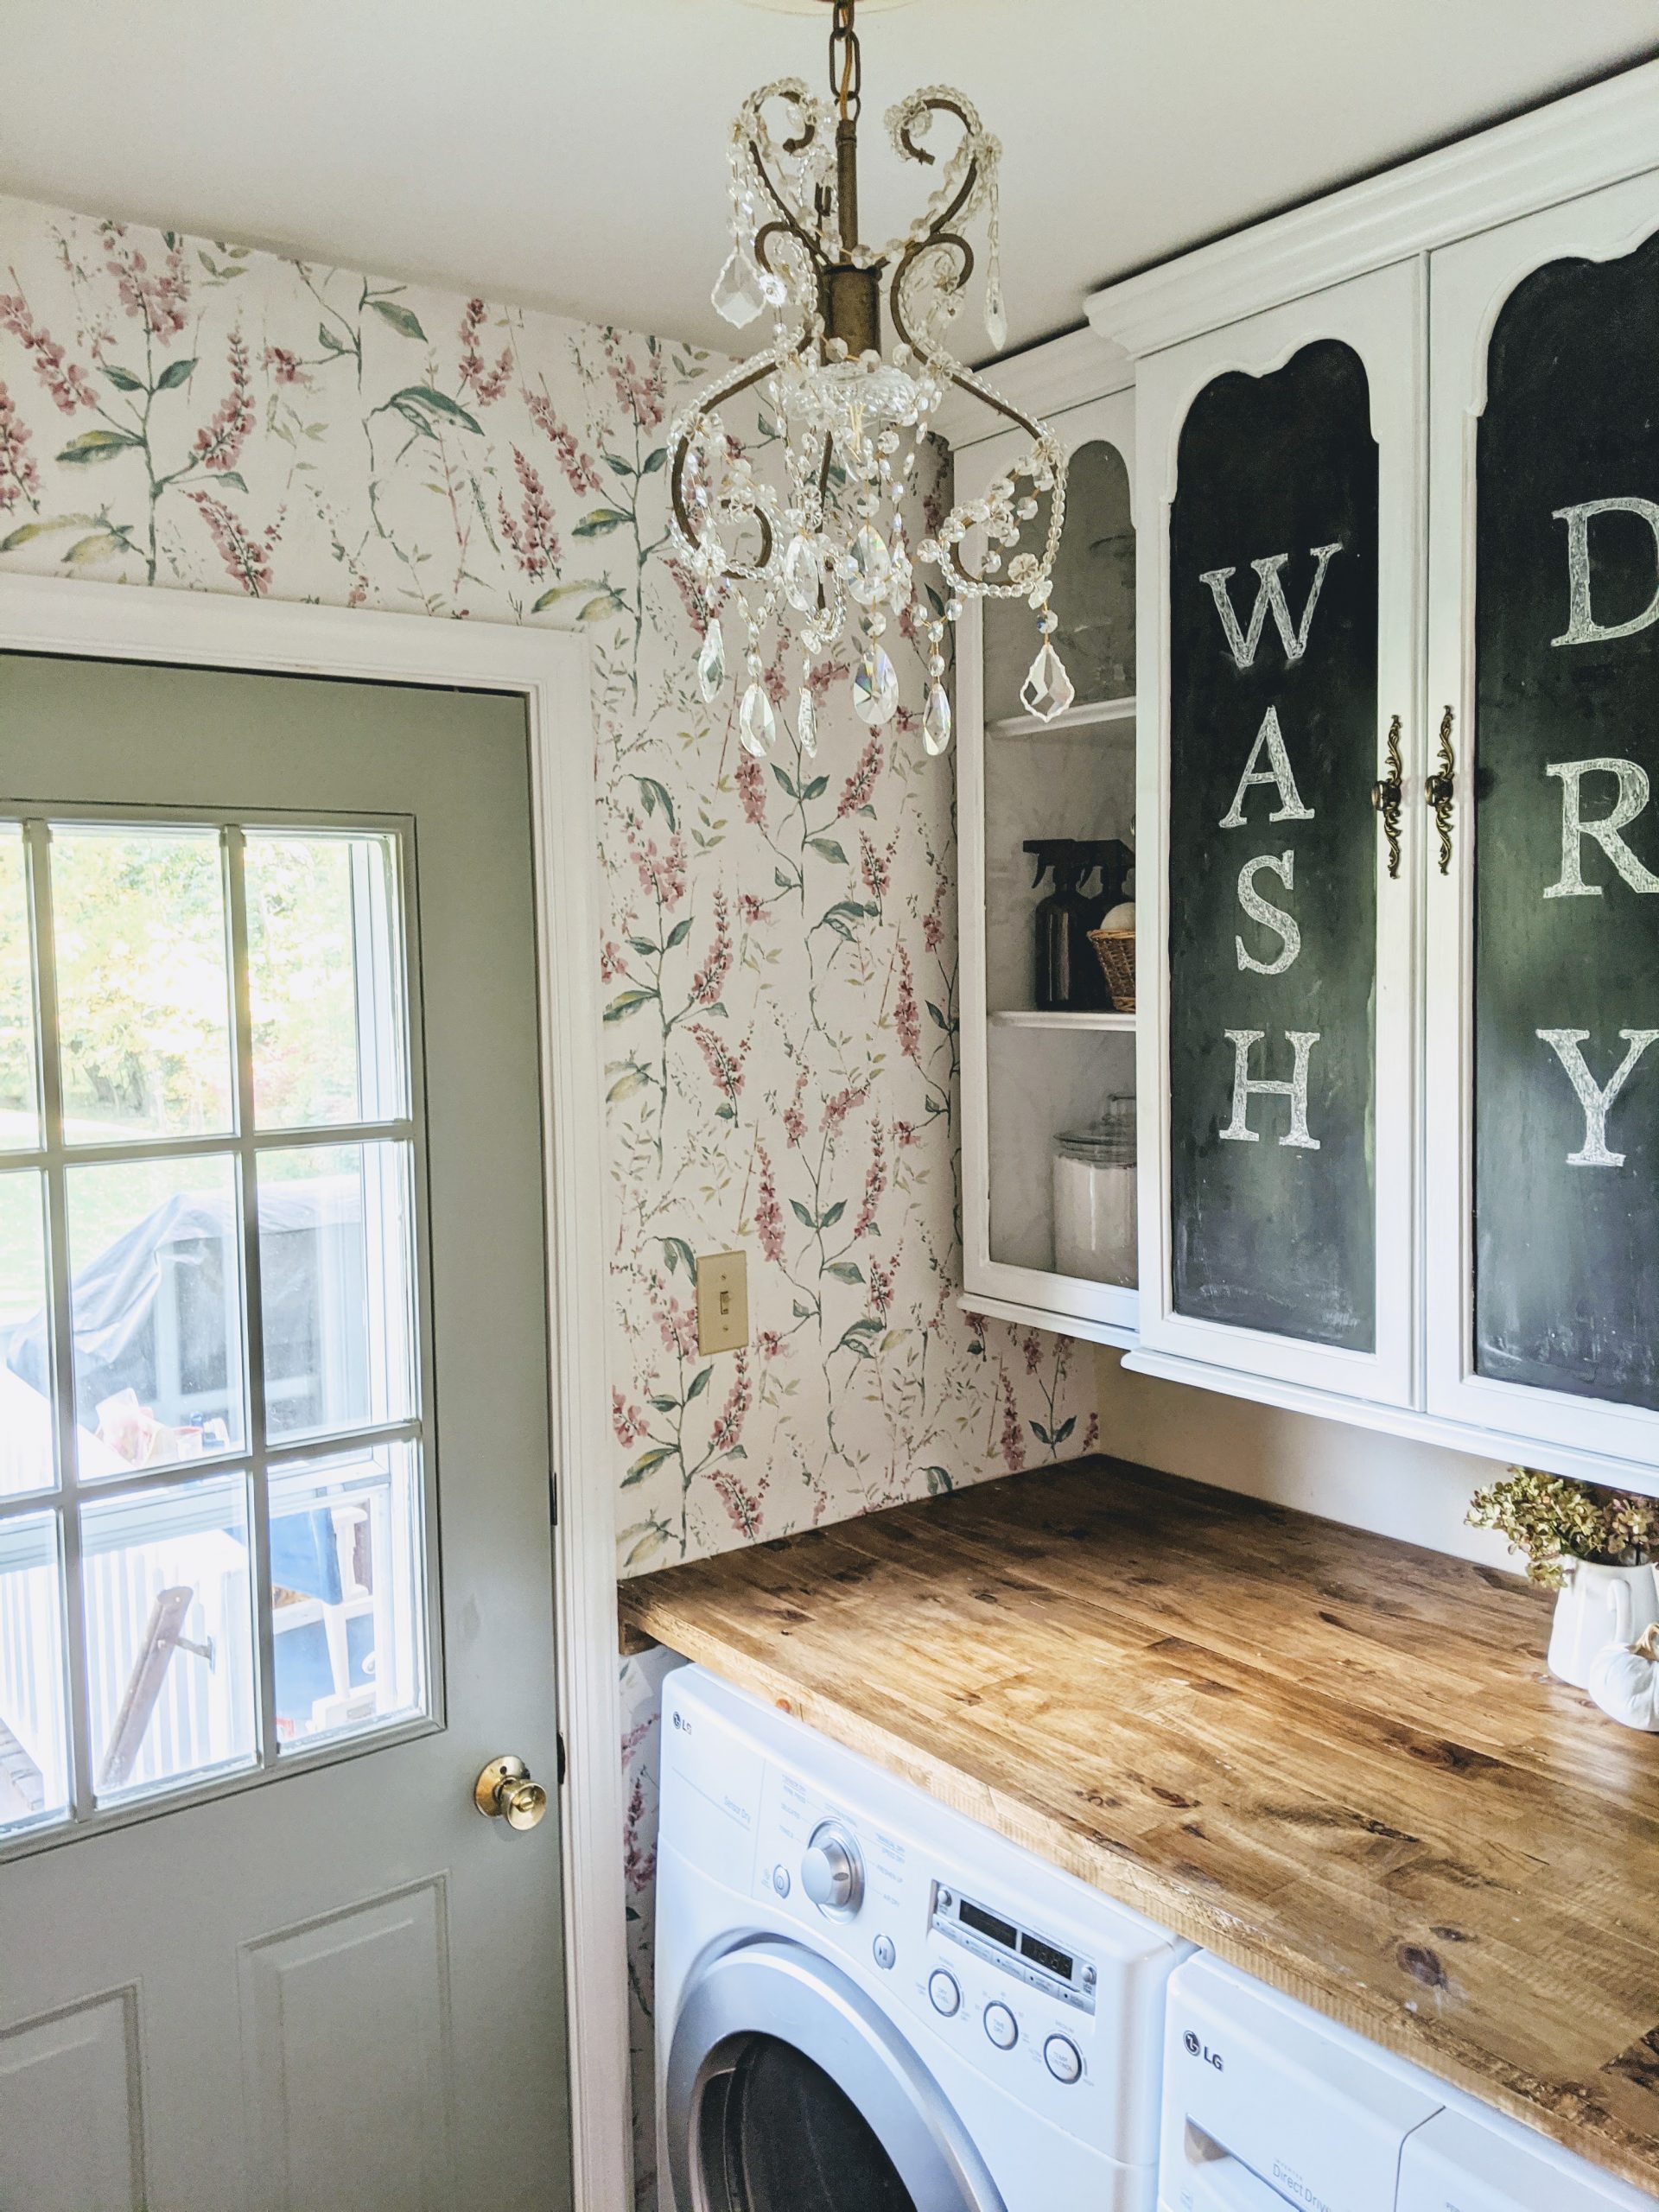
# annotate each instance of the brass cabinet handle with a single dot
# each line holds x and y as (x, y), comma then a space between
(1388, 795)
(503, 1791)
(1439, 789)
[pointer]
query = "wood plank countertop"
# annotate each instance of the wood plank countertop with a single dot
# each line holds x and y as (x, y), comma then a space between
(1335, 1760)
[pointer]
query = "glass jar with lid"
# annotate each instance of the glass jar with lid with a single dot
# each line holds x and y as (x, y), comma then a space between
(1093, 1197)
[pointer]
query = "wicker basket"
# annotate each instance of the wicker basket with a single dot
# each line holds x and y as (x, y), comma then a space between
(1115, 949)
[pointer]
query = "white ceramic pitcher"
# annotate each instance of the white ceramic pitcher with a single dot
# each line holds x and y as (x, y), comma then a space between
(1597, 1606)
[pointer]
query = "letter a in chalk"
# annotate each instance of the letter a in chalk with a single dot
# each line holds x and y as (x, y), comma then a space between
(1582, 627)
(1565, 1044)
(1278, 773)
(1269, 592)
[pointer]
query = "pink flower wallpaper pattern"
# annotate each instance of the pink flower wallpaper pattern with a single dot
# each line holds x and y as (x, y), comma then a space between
(778, 962)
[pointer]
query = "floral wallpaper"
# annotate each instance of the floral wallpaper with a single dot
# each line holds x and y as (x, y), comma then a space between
(778, 958)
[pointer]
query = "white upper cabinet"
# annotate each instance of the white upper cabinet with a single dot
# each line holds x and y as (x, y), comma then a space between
(1280, 472)
(1394, 473)
(1542, 1093)
(1047, 1056)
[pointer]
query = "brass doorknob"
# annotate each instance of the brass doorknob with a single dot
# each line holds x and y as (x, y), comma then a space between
(503, 1791)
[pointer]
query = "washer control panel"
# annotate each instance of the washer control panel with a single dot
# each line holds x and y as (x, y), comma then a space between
(1039, 1963)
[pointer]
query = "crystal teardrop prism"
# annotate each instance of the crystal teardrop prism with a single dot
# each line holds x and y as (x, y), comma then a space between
(802, 575)
(936, 722)
(872, 565)
(876, 689)
(996, 318)
(1047, 690)
(711, 663)
(806, 723)
(737, 294)
(757, 725)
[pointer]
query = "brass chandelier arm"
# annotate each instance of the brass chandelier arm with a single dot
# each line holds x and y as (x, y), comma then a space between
(750, 375)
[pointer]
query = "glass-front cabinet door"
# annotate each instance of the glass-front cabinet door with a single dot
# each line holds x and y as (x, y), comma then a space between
(1046, 821)
(1543, 898)
(1280, 482)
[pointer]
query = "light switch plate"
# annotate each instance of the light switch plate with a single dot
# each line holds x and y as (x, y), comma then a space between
(722, 1301)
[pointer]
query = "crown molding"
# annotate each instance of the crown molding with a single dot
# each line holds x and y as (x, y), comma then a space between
(1575, 145)
(1045, 380)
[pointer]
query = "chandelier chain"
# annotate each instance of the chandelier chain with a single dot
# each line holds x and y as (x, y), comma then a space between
(846, 62)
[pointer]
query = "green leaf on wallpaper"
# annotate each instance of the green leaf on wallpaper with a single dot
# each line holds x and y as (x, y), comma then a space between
(939, 1479)
(829, 1219)
(97, 445)
(725, 1111)
(556, 592)
(783, 882)
(608, 602)
(806, 1219)
(843, 1271)
(786, 782)
(123, 379)
(699, 1384)
(626, 1084)
(1065, 1429)
(330, 340)
(656, 795)
(654, 461)
(679, 1253)
(618, 466)
(27, 533)
(948, 1027)
(647, 1463)
(416, 399)
(678, 935)
(403, 320)
(231, 476)
(177, 372)
(817, 788)
(828, 849)
(857, 1339)
(665, 1405)
(842, 916)
(627, 1003)
(98, 547)
(644, 947)
(600, 522)
(801, 1313)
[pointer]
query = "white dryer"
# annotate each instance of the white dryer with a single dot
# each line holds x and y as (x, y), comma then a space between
(868, 2003)
(1270, 2108)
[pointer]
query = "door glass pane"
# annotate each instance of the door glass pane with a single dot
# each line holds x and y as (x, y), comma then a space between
(20, 1118)
(170, 1638)
(156, 1299)
(334, 1273)
(34, 1730)
(325, 977)
(1567, 841)
(144, 983)
(1272, 870)
(27, 1448)
(346, 1569)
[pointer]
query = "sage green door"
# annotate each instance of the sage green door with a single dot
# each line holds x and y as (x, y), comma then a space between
(275, 1574)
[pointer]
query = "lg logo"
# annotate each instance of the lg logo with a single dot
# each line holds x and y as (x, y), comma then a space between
(1197, 2049)
(681, 1722)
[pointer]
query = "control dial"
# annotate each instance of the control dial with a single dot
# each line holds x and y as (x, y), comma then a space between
(832, 1873)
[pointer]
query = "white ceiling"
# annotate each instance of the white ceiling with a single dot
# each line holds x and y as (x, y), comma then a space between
(570, 154)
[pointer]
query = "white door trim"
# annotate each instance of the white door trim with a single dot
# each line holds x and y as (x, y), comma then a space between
(549, 670)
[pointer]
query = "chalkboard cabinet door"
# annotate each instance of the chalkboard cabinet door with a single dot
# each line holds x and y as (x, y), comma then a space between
(1542, 953)
(1048, 1236)
(1280, 466)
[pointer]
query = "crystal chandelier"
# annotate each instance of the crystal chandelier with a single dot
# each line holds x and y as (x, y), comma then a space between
(828, 556)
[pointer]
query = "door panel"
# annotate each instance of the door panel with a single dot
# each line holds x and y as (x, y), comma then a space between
(349, 1986)
(1545, 928)
(1280, 462)
(79, 2066)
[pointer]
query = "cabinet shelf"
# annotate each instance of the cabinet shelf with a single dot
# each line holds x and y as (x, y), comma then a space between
(1028, 1020)
(1113, 716)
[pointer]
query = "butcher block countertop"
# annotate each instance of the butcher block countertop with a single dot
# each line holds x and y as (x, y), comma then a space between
(1335, 1760)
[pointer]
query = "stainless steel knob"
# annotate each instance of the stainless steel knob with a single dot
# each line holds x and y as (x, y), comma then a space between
(832, 1873)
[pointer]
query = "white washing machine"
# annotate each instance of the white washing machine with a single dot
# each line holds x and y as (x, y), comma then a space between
(868, 2003)
(1268, 2106)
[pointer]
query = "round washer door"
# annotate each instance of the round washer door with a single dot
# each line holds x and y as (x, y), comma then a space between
(787, 2090)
